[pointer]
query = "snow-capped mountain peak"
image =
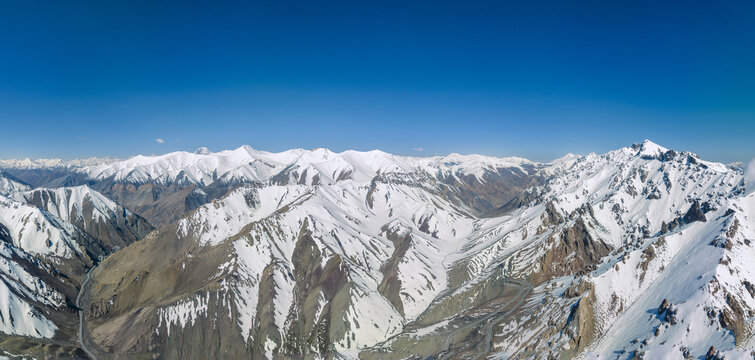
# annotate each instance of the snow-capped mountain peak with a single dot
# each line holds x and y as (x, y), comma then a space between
(52, 163)
(649, 149)
(202, 151)
(321, 165)
(638, 252)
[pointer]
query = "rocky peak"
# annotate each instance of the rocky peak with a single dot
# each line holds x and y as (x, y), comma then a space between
(695, 213)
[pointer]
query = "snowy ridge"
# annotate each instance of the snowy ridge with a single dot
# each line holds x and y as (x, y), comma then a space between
(51, 163)
(368, 251)
(68, 202)
(707, 285)
(26, 320)
(626, 199)
(17, 317)
(40, 248)
(346, 226)
(36, 231)
(640, 193)
(24, 283)
(9, 187)
(638, 200)
(310, 167)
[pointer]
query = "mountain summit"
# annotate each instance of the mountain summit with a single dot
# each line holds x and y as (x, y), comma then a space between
(641, 252)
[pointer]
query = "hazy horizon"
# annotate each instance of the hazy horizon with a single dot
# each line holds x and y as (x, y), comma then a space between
(749, 166)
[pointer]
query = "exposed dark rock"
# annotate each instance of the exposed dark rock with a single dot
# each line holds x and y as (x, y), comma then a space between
(578, 288)
(664, 305)
(390, 287)
(647, 256)
(643, 175)
(706, 207)
(574, 252)
(552, 216)
(5, 235)
(654, 194)
(733, 317)
(668, 155)
(161, 204)
(721, 242)
(584, 209)
(424, 226)
(195, 199)
(638, 355)
(370, 199)
(673, 224)
(694, 213)
(580, 326)
(732, 230)
(670, 314)
(119, 230)
(306, 330)
(667, 181)
(713, 354)
(750, 288)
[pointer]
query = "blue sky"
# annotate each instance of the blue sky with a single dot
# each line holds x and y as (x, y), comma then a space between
(92, 78)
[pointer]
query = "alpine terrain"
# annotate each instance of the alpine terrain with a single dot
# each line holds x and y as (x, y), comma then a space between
(639, 253)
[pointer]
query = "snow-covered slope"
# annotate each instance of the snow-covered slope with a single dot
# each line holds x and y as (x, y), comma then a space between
(704, 272)
(68, 203)
(32, 242)
(164, 188)
(309, 167)
(48, 237)
(641, 252)
(111, 224)
(383, 249)
(19, 288)
(8, 186)
(614, 235)
(37, 232)
(51, 163)
(382, 242)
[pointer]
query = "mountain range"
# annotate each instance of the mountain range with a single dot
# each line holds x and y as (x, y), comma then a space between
(639, 253)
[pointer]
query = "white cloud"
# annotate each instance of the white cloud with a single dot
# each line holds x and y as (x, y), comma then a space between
(160, 141)
(750, 177)
(418, 149)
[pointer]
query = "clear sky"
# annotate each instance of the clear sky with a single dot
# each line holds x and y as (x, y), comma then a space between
(535, 79)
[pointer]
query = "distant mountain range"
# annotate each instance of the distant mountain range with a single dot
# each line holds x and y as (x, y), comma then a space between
(640, 253)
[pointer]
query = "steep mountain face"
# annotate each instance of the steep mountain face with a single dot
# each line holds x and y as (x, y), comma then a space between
(616, 233)
(354, 255)
(642, 252)
(48, 240)
(9, 185)
(164, 188)
(294, 269)
(111, 224)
